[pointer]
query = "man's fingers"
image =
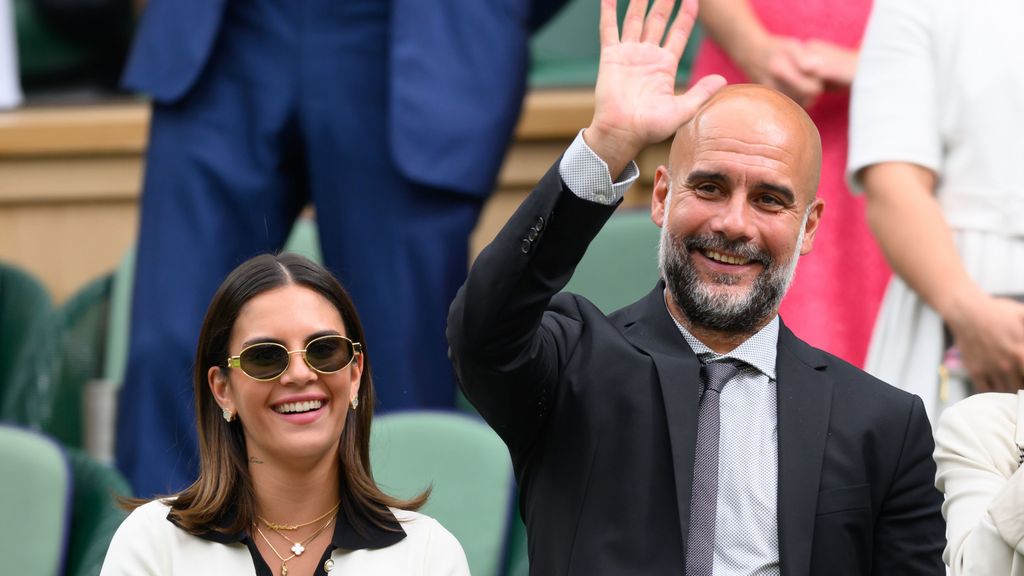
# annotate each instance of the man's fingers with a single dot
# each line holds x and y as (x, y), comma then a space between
(679, 32)
(608, 25)
(633, 24)
(688, 102)
(657, 21)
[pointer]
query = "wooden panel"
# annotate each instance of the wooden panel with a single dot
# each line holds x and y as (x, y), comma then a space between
(70, 180)
(555, 114)
(74, 130)
(49, 179)
(67, 244)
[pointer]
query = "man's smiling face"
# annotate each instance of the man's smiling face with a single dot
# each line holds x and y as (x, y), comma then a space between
(738, 208)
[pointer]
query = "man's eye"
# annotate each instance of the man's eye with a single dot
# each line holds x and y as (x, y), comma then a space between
(706, 189)
(771, 201)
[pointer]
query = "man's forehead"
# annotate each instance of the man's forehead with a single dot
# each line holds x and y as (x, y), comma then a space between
(756, 117)
(754, 126)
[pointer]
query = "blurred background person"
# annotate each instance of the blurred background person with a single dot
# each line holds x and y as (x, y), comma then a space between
(807, 49)
(10, 83)
(284, 399)
(979, 447)
(390, 116)
(936, 120)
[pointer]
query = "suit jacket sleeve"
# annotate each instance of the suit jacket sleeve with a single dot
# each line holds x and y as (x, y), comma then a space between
(978, 471)
(508, 349)
(909, 529)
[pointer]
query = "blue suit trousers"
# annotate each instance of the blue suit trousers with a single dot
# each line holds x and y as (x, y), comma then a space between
(291, 108)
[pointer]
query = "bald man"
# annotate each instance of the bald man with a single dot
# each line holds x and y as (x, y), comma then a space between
(691, 432)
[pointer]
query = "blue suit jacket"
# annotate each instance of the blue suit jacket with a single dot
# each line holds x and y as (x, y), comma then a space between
(458, 74)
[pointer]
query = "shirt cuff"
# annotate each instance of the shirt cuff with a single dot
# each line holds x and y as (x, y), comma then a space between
(587, 175)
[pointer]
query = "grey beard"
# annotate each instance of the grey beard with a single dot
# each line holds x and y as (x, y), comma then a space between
(728, 313)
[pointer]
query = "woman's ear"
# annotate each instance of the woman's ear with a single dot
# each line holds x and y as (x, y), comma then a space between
(356, 374)
(220, 385)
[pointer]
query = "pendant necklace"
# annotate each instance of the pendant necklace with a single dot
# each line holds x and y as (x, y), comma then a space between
(297, 547)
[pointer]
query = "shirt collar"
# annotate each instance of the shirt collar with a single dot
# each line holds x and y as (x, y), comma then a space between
(760, 350)
(345, 534)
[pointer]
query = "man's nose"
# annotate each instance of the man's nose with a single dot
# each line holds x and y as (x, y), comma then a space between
(734, 219)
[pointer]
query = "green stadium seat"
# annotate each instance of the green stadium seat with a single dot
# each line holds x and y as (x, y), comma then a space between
(304, 240)
(62, 354)
(35, 496)
(95, 515)
(43, 51)
(24, 303)
(466, 465)
(518, 558)
(621, 264)
(119, 320)
(565, 53)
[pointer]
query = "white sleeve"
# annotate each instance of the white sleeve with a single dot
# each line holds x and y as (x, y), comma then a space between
(894, 112)
(137, 548)
(588, 177)
(976, 456)
(444, 554)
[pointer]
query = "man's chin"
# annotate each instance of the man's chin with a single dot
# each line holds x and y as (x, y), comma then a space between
(728, 294)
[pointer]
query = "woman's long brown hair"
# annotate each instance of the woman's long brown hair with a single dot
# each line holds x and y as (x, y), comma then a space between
(224, 484)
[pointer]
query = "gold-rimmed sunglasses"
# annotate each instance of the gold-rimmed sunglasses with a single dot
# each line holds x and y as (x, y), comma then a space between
(268, 360)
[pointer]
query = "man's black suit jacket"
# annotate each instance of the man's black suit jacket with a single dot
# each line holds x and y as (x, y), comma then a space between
(599, 414)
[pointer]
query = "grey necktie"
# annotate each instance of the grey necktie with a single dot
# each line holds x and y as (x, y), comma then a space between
(700, 542)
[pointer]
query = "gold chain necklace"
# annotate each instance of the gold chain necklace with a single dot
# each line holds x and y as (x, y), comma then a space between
(297, 548)
(276, 527)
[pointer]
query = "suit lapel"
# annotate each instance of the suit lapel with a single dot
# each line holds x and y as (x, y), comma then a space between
(649, 327)
(804, 405)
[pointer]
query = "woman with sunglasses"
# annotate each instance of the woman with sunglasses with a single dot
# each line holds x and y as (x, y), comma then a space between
(284, 402)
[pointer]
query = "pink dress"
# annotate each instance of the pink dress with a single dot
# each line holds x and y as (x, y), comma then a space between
(838, 287)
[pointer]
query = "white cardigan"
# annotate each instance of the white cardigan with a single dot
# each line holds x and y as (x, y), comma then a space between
(979, 472)
(148, 544)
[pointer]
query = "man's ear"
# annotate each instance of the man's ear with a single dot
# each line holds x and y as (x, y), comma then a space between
(659, 196)
(217, 379)
(811, 226)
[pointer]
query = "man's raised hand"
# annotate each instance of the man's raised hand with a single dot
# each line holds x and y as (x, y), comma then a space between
(635, 100)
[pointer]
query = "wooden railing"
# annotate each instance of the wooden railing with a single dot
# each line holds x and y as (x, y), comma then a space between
(70, 178)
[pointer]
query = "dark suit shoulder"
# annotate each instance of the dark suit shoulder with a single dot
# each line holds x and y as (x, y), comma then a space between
(875, 400)
(572, 307)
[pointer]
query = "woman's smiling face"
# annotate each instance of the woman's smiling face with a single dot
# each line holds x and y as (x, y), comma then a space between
(298, 416)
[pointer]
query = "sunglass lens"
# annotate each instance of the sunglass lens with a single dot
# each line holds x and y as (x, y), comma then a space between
(329, 354)
(264, 361)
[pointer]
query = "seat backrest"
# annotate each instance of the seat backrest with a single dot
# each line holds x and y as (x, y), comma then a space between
(468, 468)
(62, 355)
(119, 320)
(35, 497)
(95, 512)
(566, 51)
(304, 239)
(24, 303)
(621, 264)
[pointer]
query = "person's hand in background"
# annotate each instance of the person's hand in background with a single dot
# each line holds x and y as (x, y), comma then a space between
(989, 332)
